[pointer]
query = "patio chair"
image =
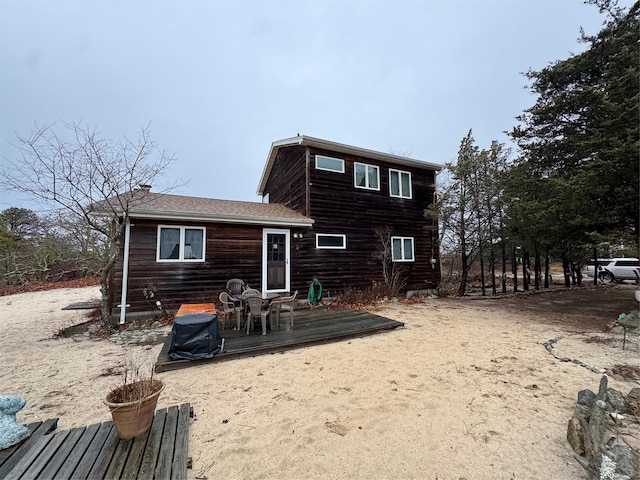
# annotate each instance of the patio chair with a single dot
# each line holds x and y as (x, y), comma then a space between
(284, 303)
(258, 308)
(235, 286)
(230, 306)
(250, 291)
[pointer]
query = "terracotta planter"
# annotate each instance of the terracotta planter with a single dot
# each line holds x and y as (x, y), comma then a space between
(133, 418)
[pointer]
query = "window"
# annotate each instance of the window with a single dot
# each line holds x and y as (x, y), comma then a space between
(399, 184)
(328, 163)
(366, 176)
(402, 249)
(326, 240)
(180, 244)
(627, 263)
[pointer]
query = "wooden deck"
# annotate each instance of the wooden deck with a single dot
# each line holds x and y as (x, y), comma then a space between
(96, 452)
(310, 326)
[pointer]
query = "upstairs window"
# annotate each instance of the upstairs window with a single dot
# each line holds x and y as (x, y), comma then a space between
(402, 249)
(366, 176)
(180, 244)
(329, 163)
(331, 240)
(399, 184)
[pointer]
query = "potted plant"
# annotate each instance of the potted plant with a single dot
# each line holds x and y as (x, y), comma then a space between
(133, 404)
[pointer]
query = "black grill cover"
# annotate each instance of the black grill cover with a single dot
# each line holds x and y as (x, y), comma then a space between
(195, 337)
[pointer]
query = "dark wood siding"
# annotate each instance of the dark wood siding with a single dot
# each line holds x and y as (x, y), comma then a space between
(231, 251)
(337, 207)
(287, 182)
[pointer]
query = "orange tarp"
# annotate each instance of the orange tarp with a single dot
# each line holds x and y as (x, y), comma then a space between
(194, 308)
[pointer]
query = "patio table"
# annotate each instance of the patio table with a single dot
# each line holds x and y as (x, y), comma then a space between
(266, 297)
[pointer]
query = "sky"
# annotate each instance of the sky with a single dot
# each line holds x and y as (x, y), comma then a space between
(218, 81)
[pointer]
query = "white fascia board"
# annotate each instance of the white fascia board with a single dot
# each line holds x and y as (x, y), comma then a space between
(342, 148)
(306, 222)
(364, 152)
(272, 157)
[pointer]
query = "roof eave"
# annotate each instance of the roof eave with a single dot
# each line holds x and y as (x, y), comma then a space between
(273, 151)
(337, 147)
(236, 219)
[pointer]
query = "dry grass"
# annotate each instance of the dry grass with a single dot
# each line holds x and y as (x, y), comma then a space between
(39, 287)
(132, 392)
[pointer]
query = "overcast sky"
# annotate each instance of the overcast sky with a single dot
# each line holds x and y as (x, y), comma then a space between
(219, 81)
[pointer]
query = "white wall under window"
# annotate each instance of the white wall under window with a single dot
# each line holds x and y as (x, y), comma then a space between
(180, 244)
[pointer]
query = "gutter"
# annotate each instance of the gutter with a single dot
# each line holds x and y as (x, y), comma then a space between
(341, 148)
(125, 273)
(164, 215)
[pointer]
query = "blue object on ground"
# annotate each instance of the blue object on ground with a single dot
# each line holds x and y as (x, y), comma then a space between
(10, 431)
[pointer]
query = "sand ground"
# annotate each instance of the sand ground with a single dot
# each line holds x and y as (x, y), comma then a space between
(466, 390)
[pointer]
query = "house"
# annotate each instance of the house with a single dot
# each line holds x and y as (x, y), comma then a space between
(326, 209)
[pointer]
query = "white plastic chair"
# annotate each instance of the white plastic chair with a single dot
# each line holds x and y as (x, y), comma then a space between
(258, 308)
(287, 304)
(230, 306)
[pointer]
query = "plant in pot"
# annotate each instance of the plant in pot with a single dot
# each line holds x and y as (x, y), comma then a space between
(133, 404)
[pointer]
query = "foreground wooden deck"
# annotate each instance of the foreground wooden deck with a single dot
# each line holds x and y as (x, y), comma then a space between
(310, 326)
(96, 452)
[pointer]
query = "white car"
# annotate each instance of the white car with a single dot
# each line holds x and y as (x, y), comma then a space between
(616, 269)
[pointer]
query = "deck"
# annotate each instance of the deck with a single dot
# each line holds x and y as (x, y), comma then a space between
(96, 452)
(310, 327)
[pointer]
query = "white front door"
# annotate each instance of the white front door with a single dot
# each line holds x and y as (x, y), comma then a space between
(275, 260)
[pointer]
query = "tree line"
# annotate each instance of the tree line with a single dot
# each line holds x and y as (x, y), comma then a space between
(46, 248)
(573, 191)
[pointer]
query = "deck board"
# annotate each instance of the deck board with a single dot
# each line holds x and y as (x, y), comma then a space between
(59, 451)
(132, 466)
(95, 451)
(310, 327)
(9, 457)
(180, 459)
(165, 460)
(103, 458)
(74, 460)
(29, 463)
(150, 455)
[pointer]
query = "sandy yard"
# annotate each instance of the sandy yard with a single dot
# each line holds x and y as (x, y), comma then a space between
(466, 390)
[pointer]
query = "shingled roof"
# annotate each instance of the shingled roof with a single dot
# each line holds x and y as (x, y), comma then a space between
(161, 206)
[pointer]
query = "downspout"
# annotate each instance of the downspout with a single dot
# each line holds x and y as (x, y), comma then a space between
(307, 199)
(125, 273)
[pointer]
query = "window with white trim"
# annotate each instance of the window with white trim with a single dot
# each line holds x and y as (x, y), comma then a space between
(331, 240)
(180, 244)
(366, 176)
(329, 163)
(399, 183)
(402, 249)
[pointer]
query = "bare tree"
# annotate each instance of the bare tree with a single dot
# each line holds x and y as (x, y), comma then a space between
(85, 171)
(392, 273)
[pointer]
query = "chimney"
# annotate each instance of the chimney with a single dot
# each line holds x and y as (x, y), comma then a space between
(144, 187)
